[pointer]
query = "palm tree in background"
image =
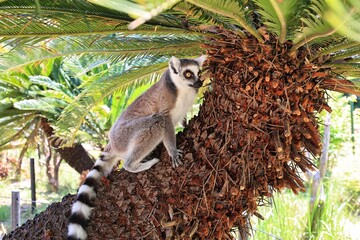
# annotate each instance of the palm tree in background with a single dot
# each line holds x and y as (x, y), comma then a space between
(270, 64)
(32, 99)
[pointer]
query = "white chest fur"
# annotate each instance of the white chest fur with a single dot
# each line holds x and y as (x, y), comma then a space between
(184, 101)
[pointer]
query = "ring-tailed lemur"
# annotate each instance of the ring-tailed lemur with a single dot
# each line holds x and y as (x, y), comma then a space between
(149, 120)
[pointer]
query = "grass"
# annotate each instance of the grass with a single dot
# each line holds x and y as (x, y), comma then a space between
(4, 213)
(289, 218)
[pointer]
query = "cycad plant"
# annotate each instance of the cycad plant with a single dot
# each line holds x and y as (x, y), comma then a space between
(270, 64)
(31, 101)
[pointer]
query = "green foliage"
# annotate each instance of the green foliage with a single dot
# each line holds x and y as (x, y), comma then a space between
(112, 49)
(229, 9)
(340, 122)
(50, 18)
(279, 16)
(28, 98)
(289, 217)
(345, 17)
(4, 213)
(315, 27)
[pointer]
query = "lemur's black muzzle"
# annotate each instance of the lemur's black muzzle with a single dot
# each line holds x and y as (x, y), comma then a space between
(197, 84)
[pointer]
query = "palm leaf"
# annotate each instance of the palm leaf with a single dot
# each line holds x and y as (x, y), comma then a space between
(335, 47)
(230, 9)
(13, 112)
(344, 16)
(25, 24)
(346, 53)
(12, 81)
(75, 17)
(279, 15)
(197, 17)
(12, 134)
(44, 105)
(113, 49)
(16, 119)
(314, 26)
(46, 82)
(143, 12)
(57, 95)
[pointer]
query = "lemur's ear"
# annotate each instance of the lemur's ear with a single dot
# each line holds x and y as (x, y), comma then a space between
(201, 59)
(174, 64)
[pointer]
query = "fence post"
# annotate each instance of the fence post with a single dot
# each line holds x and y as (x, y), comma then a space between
(15, 209)
(352, 108)
(33, 190)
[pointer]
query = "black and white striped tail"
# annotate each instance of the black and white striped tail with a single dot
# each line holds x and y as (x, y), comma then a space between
(81, 209)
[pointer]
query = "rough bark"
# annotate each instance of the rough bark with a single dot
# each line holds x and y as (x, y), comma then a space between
(156, 204)
(77, 157)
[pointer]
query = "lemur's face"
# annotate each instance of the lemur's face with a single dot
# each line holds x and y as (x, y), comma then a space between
(190, 74)
(187, 72)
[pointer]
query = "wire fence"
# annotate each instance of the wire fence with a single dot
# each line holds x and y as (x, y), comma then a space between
(4, 199)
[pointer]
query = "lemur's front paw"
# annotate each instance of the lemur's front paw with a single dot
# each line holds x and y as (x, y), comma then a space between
(176, 158)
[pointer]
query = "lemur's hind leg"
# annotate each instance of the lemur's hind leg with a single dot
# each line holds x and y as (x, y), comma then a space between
(143, 142)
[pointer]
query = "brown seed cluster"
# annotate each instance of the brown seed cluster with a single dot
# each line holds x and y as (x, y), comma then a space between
(273, 96)
(255, 128)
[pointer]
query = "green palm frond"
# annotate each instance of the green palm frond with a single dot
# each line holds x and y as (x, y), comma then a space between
(142, 12)
(279, 15)
(74, 115)
(14, 119)
(24, 18)
(197, 17)
(230, 9)
(13, 82)
(345, 16)
(14, 112)
(113, 49)
(335, 47)
(345, 69)
(45, 105)
(46, 82)
(13, 133)
(346, 53)
(41, 97)
(314, 26)
(24, 23)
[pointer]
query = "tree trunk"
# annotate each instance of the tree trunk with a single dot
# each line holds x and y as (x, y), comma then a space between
(76, 156)
(57, 163)
(53, 162)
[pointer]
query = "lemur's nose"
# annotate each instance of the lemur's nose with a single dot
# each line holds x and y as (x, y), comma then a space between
(198, 84)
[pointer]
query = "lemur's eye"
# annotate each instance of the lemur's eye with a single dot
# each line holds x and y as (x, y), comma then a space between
(188, 74)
